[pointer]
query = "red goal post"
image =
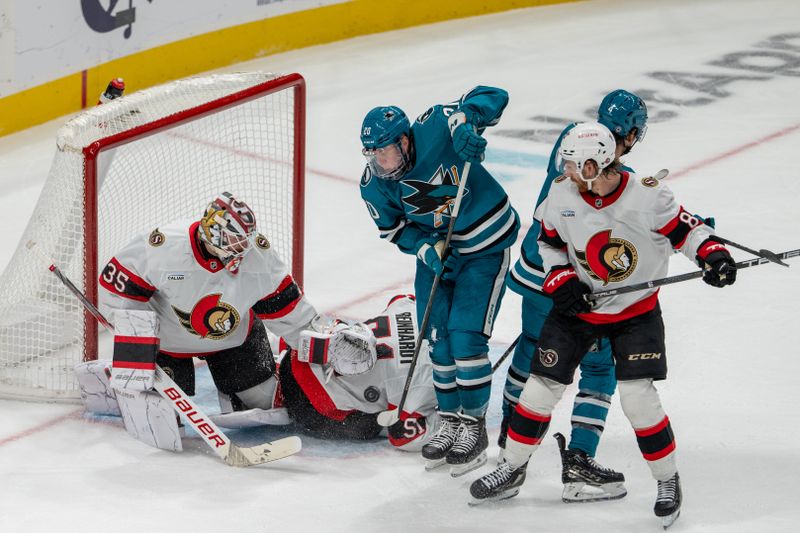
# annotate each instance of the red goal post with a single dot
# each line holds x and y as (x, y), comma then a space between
(126, 167)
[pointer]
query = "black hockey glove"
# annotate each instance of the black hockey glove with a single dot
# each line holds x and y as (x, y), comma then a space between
(717, 263)
(568, 292)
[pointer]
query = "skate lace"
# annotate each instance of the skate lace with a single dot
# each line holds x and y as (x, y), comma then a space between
(446, 433)
(594, 464)
(467, 438)
(498, 477)
(666, 490)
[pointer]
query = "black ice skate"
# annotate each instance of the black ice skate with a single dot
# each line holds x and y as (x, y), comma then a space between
(469, 450)
(668, 501)
(500, 484)
(585, 480)
(442, 441)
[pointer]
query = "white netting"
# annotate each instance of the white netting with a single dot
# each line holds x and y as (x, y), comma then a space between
(247, 149)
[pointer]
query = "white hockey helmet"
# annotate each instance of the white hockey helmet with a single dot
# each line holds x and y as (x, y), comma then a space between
(588, 140)
(228, 227)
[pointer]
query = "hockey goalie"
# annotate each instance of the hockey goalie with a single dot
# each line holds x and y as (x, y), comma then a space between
(332, 386)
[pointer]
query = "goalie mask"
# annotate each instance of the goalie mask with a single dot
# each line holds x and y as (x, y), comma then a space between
(588, 140)
(228, 228)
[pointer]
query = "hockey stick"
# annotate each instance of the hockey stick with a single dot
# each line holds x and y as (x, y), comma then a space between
(766, 254)
(682, 277)
(387, 418)
(506, 354)
(219, 442)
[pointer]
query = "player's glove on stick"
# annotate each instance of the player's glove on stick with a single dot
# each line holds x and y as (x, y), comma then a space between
(430, 253)
(718, 265)
(467, 143)
(452, 264)
(568, 292)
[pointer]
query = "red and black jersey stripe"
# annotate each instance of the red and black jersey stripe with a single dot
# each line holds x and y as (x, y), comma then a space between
(656, 442)
(552, 238)
(135, 352)
(117, 279)
(527, 427)
(281, 302)
(677, 229)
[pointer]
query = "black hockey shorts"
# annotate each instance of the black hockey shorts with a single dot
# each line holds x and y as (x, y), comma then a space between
(637, 345)
(233, 370)
(355, 426)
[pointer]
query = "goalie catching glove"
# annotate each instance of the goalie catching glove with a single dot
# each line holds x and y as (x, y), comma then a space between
(349, 349)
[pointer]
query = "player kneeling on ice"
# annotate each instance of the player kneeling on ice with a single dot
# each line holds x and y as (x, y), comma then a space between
(332, 392)
(197, 288)
(603, 227)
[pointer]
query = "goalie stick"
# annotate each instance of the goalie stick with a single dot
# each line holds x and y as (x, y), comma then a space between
(388, 418)
(222, 446)
(683, 277)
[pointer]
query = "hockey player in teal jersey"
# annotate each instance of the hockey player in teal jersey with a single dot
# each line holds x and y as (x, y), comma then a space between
(625, 115)
(409, 185)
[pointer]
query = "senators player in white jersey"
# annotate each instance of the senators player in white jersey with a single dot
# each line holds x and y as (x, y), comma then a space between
(329, 404)
(213, 285)
(606, 228)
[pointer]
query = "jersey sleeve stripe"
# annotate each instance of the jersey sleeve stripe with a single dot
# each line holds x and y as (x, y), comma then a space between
(279, 303)
(489, 218)
(552, 238)
(676, 230)
(393, 232)
(496, 238)
(125, 283)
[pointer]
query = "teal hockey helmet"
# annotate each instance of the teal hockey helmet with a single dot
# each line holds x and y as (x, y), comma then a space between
(621, 111)
(381, 134)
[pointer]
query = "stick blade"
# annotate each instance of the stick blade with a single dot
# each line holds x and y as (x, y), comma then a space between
(772, 256)
(388, 418)
(263, 453)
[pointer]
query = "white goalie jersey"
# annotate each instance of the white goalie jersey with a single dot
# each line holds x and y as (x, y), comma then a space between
(379, 389)
(621, 239)
(202, 307)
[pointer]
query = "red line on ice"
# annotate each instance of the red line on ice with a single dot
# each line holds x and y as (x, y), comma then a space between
(41, 427)
(733, 152)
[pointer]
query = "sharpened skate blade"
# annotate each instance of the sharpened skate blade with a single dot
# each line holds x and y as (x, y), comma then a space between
(583, 493)
(460, 470)
(433, 464)
(668, 520)
(500, 497)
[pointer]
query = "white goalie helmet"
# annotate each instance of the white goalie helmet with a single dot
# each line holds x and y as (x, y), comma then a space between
(228, 227)
(588, 140)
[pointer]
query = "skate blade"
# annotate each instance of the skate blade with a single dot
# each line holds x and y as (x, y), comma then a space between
(500, 497)
(668, 520)
(433, 464)
(582, 493)
(460, 470)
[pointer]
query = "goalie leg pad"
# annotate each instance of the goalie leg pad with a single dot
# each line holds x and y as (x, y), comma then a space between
(96, 392)
(135, 349)
(150, 419)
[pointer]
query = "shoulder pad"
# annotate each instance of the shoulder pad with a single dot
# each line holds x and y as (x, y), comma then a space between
(156, 238)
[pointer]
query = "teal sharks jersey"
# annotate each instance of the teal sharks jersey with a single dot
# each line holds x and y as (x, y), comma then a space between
(418, 206)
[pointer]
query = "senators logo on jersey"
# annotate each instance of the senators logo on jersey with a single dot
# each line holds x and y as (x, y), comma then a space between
(211, 318)
(608, 258)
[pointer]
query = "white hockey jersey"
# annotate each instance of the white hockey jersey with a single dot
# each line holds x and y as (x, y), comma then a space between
(202, 307)
(621, 239)
(381, 388)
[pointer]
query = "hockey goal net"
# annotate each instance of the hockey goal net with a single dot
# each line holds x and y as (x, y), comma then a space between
(123, 168)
